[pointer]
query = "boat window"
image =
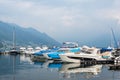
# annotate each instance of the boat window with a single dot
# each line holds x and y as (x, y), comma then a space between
(63, 50)
(86, 52)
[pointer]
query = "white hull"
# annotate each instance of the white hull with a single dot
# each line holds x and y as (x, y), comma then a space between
(86, 53)
(29, 52)
(65, 58)
(73, 57)
(46, 55)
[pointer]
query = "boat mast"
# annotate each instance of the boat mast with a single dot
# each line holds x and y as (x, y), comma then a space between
(114, 38)
(14, 38)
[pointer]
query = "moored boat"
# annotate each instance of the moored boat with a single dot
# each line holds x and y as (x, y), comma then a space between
(66, 48)
(86, 53)
(55, 55)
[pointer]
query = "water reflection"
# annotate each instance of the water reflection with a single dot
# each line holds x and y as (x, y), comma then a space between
(7, 64)
(68, 70)
(25, 59)
(49, 64)
(21, 67)
(74, 68)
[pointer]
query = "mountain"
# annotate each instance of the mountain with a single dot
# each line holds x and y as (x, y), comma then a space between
(25, 36)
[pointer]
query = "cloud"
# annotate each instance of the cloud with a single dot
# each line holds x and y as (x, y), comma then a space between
(64, 19)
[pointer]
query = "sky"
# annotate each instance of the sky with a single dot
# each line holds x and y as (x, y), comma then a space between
(83, 21)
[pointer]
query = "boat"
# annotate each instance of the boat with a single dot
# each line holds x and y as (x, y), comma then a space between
(14, 51)
(29, 51)
(44, 47)
(43, 51)
(37, 49)
(40, 54)
(86, 53)
(22, 49)
(55, 55)
(66, 48)
(68, 58)
(69, 45)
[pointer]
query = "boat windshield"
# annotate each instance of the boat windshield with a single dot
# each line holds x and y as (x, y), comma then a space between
(86, 51)
(63, 50)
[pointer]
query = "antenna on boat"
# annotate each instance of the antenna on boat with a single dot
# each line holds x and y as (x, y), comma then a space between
(114, 38)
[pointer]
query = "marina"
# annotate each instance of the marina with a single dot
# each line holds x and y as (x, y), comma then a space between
(59, 40)
(68, 62)
(70, 52)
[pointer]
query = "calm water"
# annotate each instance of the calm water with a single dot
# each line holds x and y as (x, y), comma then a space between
(22, 68)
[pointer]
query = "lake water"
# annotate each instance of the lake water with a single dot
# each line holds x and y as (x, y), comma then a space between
(21, 67)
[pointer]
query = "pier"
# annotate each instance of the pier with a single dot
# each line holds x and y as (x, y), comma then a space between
(98, 62)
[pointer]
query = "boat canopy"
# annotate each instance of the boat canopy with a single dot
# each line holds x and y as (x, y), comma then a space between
(105, 49)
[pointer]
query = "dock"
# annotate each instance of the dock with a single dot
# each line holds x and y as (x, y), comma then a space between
(98, 62)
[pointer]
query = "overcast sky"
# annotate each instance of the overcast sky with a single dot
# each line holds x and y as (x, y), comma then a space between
(64, 20)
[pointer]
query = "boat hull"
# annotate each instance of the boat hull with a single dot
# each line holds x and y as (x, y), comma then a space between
(14, 52)
(65, 58)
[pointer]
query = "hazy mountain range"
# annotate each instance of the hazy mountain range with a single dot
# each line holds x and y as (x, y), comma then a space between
(24, 36)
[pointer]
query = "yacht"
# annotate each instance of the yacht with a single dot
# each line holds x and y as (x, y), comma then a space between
(40, 54)
(66, 48)
(86, 53)
(55, 55)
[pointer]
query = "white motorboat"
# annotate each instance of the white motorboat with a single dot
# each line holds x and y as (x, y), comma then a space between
(86, 53)
(66, 48)
(55, 54)
(22, 49)
(29, 50)
(37, 49)
(66, 58)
